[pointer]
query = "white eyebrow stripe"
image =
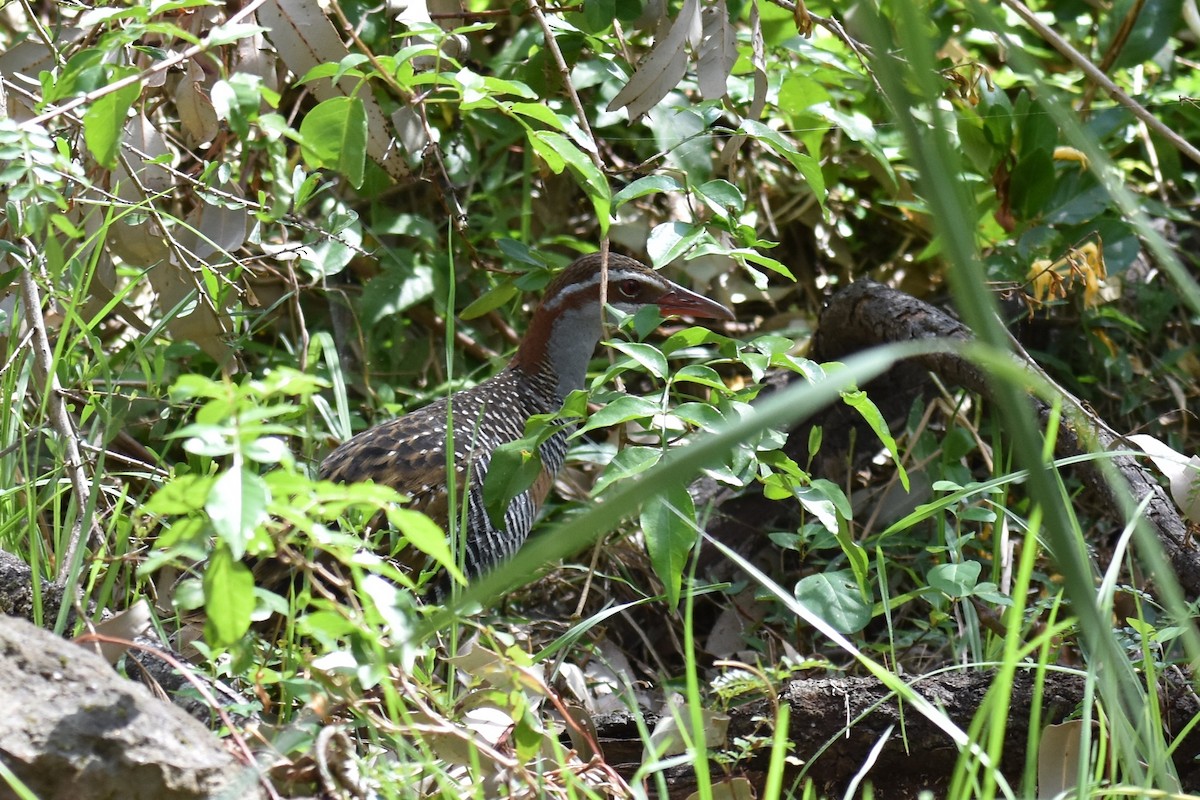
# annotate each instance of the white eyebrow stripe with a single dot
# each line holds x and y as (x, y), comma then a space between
(615, 274)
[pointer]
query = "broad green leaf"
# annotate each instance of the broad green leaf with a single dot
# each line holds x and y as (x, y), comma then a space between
(591, 179)
(84, 72)
(182, 494)
(598, 15)
(629, 461)
(529, 737)
(703, 415)
(228, 598)
(651, 184)
(799, 91)
(669, 523)
(395, 290)
(725, 199)
(538, 111)
(623, 409)
(490, 300)
(701, 374)
(835, 598)
(104, 121)
(334, 136)
(237, 505)
(553, 160)
(955, 580)
(670, 240)
(818, 503)
(649, 356)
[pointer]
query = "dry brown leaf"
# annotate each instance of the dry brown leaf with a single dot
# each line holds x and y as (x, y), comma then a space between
(127, 625)
(717, 52)
(199, 322)
(663, 69)
(197, 117)
(759, 102)
(674, 734)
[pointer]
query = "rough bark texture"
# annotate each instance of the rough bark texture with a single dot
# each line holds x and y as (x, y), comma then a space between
(917, 755)
(75, 729)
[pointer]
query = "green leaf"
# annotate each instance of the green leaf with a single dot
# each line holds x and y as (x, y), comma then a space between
(799, 91)
(955, 580)
(623, 409)
(514, 467)
(649, 356)
(232, 32)
(553, 160)
(651, 184)
(334, 136)
(183, 494)
(670, 240)
(703, 415)
(725, 199)
(591, 179)
(539, 112)
(809, 167)
(228, 598)
(835, 598)
(628, 461)
(701, 374)
(598, 15)
(395, 289)
(529, 737)
(1032, 183)
(490, 300)
(870, 413)
(237, 505)
(669, 523)
(84, 72)
(424, 534)
(816, 501)
(104, 121)
(1156, 23)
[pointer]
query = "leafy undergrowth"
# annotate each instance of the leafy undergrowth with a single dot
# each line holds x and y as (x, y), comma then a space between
(220, 276)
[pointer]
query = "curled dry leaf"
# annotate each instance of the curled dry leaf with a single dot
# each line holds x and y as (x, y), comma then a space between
(127, 625)
(664, 68)
(1182, 473)
(668, 737)
(197, 117)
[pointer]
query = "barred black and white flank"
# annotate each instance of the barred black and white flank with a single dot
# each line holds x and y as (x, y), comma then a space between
(409, 453)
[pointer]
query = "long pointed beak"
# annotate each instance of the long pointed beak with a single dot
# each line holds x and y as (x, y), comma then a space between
(679, 300)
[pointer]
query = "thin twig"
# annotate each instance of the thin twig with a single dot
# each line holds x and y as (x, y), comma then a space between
(1094, 74)
(160, 66)
(59, 417)
(594, 152)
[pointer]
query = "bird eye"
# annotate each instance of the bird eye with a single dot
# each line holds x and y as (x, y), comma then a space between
(629, 288)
